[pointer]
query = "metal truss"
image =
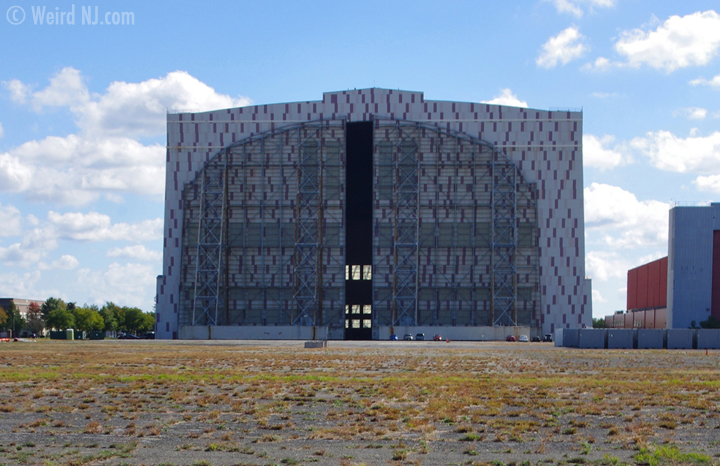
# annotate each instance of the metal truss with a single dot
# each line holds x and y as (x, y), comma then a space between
(504, 242)
(405, 253)
(307, 271)
(208, 295)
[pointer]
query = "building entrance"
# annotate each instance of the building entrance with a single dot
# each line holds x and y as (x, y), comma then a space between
(358, 231)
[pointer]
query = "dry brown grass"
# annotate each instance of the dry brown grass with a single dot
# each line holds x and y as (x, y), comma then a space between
(224, 394)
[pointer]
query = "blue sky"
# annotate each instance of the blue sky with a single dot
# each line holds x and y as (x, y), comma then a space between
(82, 111)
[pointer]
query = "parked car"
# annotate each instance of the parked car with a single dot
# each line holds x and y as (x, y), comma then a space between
(437, 337)
(148, 336)
(510, 338)
(393, 337)
(420, 337)
(524, 338)
(128, 336)
(535, 338)
(548, 337)
(408, 337)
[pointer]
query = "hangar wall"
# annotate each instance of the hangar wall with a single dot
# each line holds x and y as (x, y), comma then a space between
(546, 147)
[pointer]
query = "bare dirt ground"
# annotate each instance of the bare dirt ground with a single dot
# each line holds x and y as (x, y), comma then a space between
(252, 403)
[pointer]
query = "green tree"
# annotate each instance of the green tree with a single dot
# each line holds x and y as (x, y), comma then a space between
(15, 320)
(52, 304)
(3, 317)
(598, 323)
(60, 319)
(87, 319)
(711, 322)
(148, 322)
(113, 316)
(133, 319)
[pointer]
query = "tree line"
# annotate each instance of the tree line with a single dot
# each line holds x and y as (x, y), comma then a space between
(56, 314)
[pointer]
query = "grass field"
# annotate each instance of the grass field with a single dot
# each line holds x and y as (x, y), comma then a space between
(130, 402)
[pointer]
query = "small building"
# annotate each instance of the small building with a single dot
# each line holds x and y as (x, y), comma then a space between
(22, 305)
(682, 289)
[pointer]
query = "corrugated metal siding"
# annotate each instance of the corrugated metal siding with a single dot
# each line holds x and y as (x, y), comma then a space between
(632, 287)
(647, 285)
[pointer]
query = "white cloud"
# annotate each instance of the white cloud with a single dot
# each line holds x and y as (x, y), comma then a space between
(66, 262)
(714, 82)
(94, 226)
(562, 48)
(602, 266)
(604, 95)
(622, 221)
(506, 97)
(2, 131)
(691, 113)
(33, 247)
(137, 252)
(574, 6)
(600, 64)
(679, 42)
(20, 285)
(125, 285)
(709, 183)
(18, 91)
(10, 221)
(127, 109)
(695, 154)
(67, 88)
(597, 156)
(597, 297)
(77, 170)
(104, 158)
(37, 243)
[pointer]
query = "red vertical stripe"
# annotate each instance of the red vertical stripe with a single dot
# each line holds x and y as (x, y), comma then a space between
(715, 299)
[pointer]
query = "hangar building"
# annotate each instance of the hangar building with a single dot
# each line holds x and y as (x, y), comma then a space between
(372, 212)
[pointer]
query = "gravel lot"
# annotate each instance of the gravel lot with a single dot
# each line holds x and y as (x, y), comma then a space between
(249, 402)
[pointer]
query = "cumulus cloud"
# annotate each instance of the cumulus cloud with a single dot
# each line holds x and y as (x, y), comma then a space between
(691, 113)
(666, 151)
(562, 48)
(600, 64)
(125, 285)
(37, 243)
(127, 109)
(66, 262)
(506, 97)
(679, 42)
(21, 285)
(575, 7)
(623, 221)
(714, 82)
(709, 183)
(33, 247)
(137, 252)
(602, 266)
(103, 158)
(94, 226)
(77, 170)
(10, 221)
(596, 155)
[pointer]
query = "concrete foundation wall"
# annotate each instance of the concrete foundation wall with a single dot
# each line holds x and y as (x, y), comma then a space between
(620, 338)
(290, 332)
